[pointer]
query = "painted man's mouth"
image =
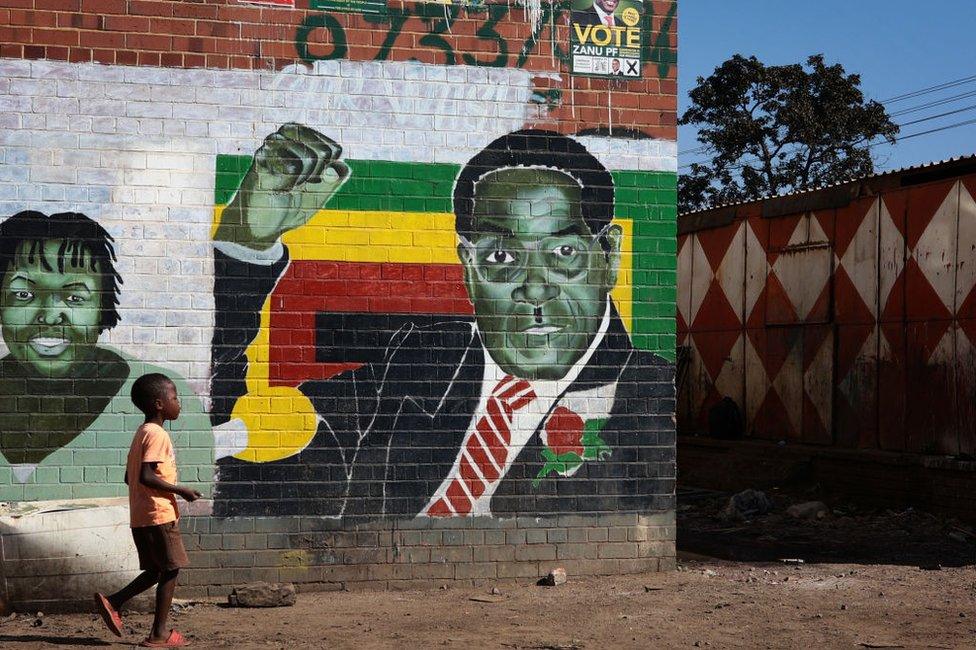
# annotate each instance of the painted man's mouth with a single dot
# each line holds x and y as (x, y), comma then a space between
(542, 329)
(48, 346)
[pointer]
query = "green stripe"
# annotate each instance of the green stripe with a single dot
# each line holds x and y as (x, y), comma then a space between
(648, 198)
(373, 185)
(651, 199)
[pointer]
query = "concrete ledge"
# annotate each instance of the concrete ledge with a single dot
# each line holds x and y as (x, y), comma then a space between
(55, 554)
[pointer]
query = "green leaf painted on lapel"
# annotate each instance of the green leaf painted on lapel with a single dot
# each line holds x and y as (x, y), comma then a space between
(594, 448)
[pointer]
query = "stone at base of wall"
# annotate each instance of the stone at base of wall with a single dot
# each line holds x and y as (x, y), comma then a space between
(938, 484)
(56, 555)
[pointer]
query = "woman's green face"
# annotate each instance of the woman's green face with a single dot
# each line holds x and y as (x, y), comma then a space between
(50, 320)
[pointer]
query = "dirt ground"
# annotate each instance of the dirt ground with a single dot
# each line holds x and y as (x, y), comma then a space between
(905, 583)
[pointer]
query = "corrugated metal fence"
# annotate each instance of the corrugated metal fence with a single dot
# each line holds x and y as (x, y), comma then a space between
(852, 326)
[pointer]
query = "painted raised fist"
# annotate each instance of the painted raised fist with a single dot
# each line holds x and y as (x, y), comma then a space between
(294, 173)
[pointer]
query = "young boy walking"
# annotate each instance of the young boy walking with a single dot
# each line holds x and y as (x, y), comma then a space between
(150, 473)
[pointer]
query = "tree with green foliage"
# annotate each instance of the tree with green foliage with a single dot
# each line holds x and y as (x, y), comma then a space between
(775, 129)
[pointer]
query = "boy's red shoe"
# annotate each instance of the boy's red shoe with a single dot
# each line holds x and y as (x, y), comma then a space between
(108, 613)
(175, 640)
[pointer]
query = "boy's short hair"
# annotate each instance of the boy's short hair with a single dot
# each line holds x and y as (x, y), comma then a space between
(147, 389)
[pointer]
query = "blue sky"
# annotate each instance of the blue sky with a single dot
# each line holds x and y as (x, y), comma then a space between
(896, 46)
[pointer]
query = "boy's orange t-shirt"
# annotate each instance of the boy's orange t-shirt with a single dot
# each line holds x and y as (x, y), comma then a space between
(149, 507)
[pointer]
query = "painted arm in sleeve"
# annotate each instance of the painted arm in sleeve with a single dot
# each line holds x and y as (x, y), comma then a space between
(294, 173)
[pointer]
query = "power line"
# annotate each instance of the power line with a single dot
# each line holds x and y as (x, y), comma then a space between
(940, 115)
(921, 133)
(929, 90)
(938, 102)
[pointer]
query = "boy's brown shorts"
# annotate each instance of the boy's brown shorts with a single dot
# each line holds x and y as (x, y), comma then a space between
(160, 547)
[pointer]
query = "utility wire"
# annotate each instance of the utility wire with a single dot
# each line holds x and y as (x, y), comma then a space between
(940, 115)
(929, 90)
(933, 104)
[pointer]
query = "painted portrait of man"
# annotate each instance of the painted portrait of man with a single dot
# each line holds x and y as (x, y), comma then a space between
(66, 412)
(538, 404)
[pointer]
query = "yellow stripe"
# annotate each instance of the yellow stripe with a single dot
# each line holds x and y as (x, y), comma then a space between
(412, 238)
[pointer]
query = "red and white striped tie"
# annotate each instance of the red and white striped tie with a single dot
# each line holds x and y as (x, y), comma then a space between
(486, 451)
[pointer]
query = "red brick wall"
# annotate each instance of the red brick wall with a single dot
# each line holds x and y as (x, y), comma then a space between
(227, 34)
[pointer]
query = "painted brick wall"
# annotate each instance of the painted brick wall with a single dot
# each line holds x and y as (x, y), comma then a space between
(403, 265)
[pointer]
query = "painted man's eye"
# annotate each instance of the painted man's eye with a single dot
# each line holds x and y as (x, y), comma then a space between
(500, 257)
(564, 251)
(24, 295)
(74, 299)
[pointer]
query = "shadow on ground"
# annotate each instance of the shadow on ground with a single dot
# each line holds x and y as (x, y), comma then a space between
(847, 534)
(53, 640)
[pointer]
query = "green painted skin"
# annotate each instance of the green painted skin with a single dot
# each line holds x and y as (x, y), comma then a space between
(55, 381)
(51, 320)
(537, 277)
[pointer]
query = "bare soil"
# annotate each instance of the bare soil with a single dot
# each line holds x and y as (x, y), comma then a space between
(869, 579)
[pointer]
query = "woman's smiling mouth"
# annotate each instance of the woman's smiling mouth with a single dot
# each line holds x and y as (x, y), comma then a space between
(48, 346)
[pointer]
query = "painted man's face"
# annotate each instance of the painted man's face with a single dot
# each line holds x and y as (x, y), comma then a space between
(50, 320)
(608, 6)
(536, 275)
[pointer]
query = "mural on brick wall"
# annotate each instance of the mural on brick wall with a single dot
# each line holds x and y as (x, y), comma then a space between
(376, 261)
(482, 367)
(66, 408)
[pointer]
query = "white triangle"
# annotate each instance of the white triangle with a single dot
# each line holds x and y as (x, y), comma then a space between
(757, 383)
(891, 262)
(730, 272)
(757, 268)
(729, 381)
(788, 384)
(860, 260)
(818, 382)
(23, 471)
(935, 251)
(966, 264)
(701, 278)
(684, 277)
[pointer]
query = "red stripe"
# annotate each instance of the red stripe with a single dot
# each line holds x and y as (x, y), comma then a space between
(495, 413)
(522, 401)
(480, 457)
(459, 500)
(312, 286)
(495, 446)
(475, 486)
(439, 509)
(517, 387)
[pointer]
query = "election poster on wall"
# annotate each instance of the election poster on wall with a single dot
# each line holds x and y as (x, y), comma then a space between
(605, 38)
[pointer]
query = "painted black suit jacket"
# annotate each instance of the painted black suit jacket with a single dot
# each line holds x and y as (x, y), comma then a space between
(391, 430)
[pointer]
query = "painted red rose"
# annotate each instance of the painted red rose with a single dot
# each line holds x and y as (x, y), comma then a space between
(564, 432)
